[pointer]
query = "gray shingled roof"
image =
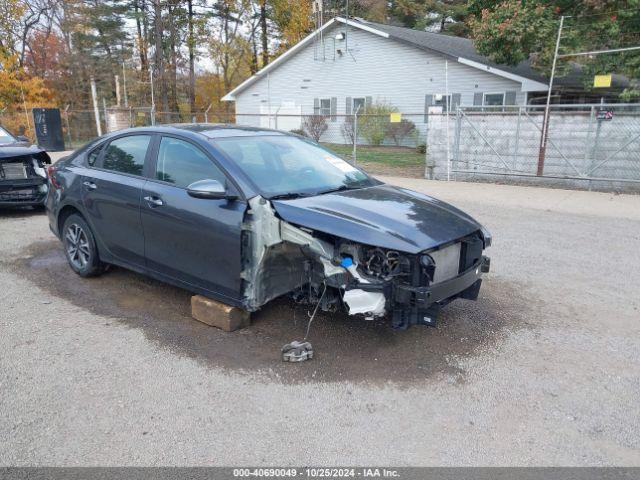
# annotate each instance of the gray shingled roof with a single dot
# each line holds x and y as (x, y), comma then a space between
(450, 46)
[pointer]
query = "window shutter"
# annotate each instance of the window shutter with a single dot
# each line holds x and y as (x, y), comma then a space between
(347, 106)
(368, 101)
(510, 98)
(428, 101)
(477, 98)
(316, 106)
(455, 101)
(334, 108)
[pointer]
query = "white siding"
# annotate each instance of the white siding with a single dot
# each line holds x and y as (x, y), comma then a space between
(381, 68)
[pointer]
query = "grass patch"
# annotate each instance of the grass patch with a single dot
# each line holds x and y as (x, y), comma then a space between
(385, 155)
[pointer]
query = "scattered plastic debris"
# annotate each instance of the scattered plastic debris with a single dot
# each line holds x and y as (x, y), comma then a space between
(297, 352)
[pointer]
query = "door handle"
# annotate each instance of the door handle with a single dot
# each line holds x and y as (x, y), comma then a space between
(154, 201)
(90, 185)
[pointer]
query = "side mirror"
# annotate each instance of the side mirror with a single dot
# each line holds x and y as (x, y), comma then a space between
(208, 189)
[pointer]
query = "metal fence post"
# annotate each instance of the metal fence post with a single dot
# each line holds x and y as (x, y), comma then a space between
(355, 135)
(456, 145)
(517, 145)
(594, 150)
(66, 117)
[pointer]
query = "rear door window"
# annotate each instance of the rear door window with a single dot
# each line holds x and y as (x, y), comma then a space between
(92, 156)
(127, 154)
(182, 163)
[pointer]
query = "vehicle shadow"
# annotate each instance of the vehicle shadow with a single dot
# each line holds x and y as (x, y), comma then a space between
(21, 212)
(346, 348)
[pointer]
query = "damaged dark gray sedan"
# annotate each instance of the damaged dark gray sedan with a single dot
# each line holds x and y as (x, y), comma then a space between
(245, 215)
(23, 175)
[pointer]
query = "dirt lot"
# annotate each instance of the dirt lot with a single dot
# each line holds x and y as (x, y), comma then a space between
(543, 370)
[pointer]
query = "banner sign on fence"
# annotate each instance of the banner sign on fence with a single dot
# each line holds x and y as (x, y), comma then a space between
(605, 114)
(395, 117)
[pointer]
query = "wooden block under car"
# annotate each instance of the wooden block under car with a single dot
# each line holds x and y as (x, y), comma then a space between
(218, 314)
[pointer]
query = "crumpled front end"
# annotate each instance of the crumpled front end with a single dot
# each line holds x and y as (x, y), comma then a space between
(313, 267)
(23, 179)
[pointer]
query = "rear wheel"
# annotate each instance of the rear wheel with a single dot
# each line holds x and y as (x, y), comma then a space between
(80, 247)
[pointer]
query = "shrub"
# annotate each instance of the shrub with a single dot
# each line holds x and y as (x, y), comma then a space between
(421, 148)
(347, 130)
(373, 124)
(398, 131)
(298, 131)
(314, 126)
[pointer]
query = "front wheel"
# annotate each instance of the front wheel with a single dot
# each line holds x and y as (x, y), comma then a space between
(80, 247)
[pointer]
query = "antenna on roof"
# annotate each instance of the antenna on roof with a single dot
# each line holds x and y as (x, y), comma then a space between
(346, 36)
(318, 40)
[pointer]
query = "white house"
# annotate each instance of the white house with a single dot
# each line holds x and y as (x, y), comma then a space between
(348, 64)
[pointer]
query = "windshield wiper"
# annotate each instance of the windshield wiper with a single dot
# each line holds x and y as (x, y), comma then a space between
(289, 196)
(341, 188)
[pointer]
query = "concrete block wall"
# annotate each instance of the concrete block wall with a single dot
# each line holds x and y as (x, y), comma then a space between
(490, 145)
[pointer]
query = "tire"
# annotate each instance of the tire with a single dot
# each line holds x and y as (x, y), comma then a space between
(80, 247)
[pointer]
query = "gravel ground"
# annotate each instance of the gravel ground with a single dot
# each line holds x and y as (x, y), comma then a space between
(543, 370)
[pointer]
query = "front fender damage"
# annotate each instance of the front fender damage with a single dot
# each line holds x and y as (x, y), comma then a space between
(280, 258)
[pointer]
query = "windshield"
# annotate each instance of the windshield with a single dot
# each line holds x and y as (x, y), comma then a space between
(286, 165)
(6, 137)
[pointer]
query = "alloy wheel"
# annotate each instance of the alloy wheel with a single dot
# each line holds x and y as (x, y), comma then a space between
(78, 250)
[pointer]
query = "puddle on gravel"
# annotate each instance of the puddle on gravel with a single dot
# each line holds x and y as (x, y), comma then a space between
(345, 348)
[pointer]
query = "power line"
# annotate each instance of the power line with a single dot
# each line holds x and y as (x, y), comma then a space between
(611, 13)
(596, 52)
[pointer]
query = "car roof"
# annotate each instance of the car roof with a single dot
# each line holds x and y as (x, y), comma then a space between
(208, 130)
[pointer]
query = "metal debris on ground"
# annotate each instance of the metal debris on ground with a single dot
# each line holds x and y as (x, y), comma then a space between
(297, 351)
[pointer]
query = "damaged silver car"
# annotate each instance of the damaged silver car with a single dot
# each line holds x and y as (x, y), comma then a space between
(246, 215)
(23, 175)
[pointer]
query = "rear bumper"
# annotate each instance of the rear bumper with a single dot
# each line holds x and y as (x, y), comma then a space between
(23, 192)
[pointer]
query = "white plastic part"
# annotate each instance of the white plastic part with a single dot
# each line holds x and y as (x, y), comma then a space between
(38, 169)
(369, 303)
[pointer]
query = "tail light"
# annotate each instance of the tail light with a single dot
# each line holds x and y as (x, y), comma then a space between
(51, 173)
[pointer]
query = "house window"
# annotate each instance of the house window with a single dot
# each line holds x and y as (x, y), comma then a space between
(325, 106)
(359, 104)
(443, 101)
(493, 99)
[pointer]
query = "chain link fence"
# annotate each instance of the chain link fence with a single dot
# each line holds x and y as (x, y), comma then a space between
(389, 144)
(594, 146)
(82, 126)
(587, 146)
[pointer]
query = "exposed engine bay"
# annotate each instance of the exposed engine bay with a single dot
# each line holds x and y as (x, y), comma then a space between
(23, 179)
(333, 273)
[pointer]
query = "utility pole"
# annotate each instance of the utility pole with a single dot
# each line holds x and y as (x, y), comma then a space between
(153, 98)
(124, 84)
(96, 111)
(545, 119)
(118, 99)
(447, 103)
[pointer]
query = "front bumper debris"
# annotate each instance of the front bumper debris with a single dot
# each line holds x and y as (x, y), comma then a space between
(297, 352)
(421, 305)
(280, 258)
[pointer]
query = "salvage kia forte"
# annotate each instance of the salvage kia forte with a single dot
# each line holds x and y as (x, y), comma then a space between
(245, 215)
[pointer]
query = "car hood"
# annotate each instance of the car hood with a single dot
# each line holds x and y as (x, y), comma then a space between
(383, 216)
(9, 150)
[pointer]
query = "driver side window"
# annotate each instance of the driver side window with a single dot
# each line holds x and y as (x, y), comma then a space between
(181, 163)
